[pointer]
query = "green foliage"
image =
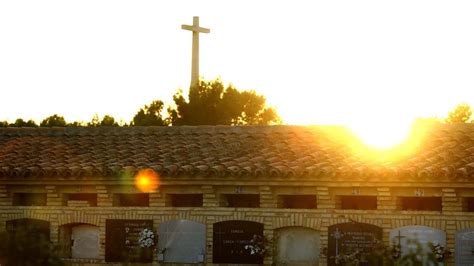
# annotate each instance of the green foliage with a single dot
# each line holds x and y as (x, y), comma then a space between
(150, 115)
(209, 103)
(27, 249)
(53, 121)
(461, 114)
(75, 124)
(95, 121)
(108, 121)
(22, 123)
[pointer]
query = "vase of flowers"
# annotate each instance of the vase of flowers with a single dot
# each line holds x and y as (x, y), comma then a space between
(146, 238)
(257, 246)
(438, 252)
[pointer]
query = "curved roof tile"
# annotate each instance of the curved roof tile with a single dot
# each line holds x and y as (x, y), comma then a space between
(248, 151)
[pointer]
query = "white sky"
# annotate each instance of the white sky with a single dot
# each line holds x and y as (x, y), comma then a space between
(331, 62)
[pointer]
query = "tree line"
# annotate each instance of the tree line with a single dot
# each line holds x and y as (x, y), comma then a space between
(208, 103)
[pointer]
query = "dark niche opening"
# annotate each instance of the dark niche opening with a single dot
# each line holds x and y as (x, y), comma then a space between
(358, 202)
(420, 203)
(184, 200)
(29, 199)
(80, 200)
(28, 240)
(468, 204)
(131, 200)
(240, 200)
(297, 201)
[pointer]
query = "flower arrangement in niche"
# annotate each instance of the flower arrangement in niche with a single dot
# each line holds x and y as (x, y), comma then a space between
(257, 245)
(396, 251)
(146, 238)
(438, 251)
(354, 258)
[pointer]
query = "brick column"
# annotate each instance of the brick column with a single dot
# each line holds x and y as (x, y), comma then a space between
(210, 220)
(323, 199)
(268, 231)
(104, 198)
(53, 198)
(157, 199)
(209, 198)
(267, 200)
(451, 202)
(5, 200)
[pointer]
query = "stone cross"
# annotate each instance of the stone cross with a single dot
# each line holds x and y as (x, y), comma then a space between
(195, 61)
(337, 234)
(399, 238)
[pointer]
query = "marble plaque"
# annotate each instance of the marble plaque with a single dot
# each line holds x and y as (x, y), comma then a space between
(406, 237)
(182, 241)
(230, 239)
(465, 247)
(121, 241)
(345, 239)
(299, 246)
(85, 239)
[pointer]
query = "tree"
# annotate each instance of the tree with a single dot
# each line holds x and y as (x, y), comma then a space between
(21, 123)
(27, 248)
(75, 124)
(53, 121)
(3, 124)
(150, 115)
(209, 103)
(94, 122)
(108, 121)
(461, 114)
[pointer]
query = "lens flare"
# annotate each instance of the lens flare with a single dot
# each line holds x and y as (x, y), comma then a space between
(146, 180)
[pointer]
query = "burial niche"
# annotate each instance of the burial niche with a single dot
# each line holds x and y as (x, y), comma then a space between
(465, 247)
(31, 242)
(420, 241)
(31, 228)
(127, 240)
(296, 245)
(230, 239)
(182, 241)
(79, 241)
(349, 241)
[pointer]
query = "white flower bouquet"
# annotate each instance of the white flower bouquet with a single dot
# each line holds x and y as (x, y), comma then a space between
(146, 238)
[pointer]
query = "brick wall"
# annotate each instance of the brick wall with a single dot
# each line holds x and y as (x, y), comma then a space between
(387, 216)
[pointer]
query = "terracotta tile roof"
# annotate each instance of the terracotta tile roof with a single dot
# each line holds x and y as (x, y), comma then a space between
(223, 151)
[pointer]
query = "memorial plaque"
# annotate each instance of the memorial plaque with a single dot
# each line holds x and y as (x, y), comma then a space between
(230, 239)
(408, 235)
(121, 241)
(297, 246)
(182, 241)
(85, 239)
(465, 247)
(346, 239)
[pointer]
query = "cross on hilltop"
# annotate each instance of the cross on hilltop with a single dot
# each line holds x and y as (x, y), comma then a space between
(195, 56)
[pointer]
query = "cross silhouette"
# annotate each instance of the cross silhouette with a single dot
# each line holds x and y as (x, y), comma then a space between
(399, 238)
(195, 56)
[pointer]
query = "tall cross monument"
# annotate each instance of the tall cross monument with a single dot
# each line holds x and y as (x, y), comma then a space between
(195, 63)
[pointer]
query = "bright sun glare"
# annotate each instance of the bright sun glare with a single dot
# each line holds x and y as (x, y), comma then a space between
(146, 180)
(382, 135)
